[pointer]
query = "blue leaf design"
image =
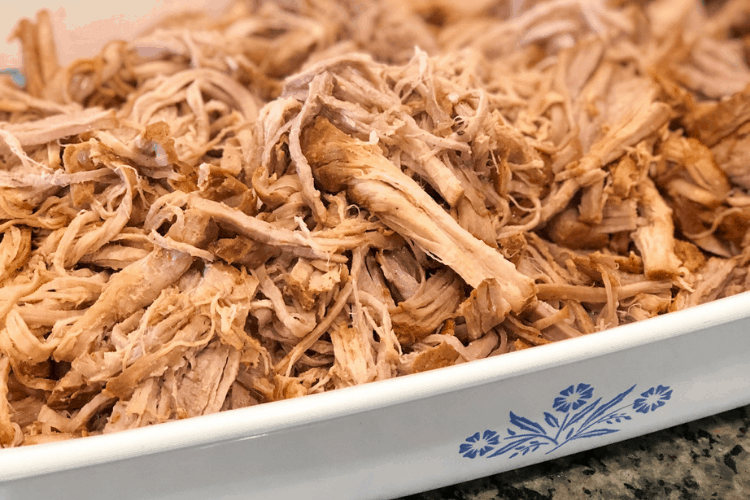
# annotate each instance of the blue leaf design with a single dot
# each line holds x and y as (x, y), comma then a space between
(510, 446)
(526, 424)
(531, 436)
(606, 406)
(595, 433)
(551, 420)
(578, 416)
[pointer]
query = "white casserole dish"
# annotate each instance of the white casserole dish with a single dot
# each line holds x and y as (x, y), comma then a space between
(421, 431)
(404, 435)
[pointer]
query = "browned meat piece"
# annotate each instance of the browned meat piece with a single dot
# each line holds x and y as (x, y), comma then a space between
(732, 154)
(341, 162)
(127, 291)
(434, 301)
(61, 126)
(7, 428)
(655, 238)
(721, 119)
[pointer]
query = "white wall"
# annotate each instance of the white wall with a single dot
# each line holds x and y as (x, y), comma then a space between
(82, 26)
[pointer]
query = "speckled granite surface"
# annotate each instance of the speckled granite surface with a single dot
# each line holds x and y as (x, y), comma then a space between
(705, 459)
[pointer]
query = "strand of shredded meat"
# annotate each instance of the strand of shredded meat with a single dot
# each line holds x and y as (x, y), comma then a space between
(301, 196)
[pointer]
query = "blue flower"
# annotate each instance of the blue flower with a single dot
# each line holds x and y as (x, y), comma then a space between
(575, 398)
(652, 399)
(479, 445)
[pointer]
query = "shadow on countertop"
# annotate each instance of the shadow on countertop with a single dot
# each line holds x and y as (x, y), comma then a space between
(704, 459)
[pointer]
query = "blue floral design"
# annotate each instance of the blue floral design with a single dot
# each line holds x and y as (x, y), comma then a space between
(18, 77)
(479, 445)
(575, 398)
(652, 399)
(583, 419)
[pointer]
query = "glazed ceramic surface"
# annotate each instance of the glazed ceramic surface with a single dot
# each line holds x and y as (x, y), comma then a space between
(422, 431)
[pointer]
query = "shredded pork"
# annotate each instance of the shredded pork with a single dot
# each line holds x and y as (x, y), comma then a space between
(297, 197)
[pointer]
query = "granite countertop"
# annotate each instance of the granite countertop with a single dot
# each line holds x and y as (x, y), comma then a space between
(705, 459)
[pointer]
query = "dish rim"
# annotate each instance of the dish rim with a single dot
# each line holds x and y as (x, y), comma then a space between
(277, 416)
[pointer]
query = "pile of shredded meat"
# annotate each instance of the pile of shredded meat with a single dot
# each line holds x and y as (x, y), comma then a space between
(296, 197)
